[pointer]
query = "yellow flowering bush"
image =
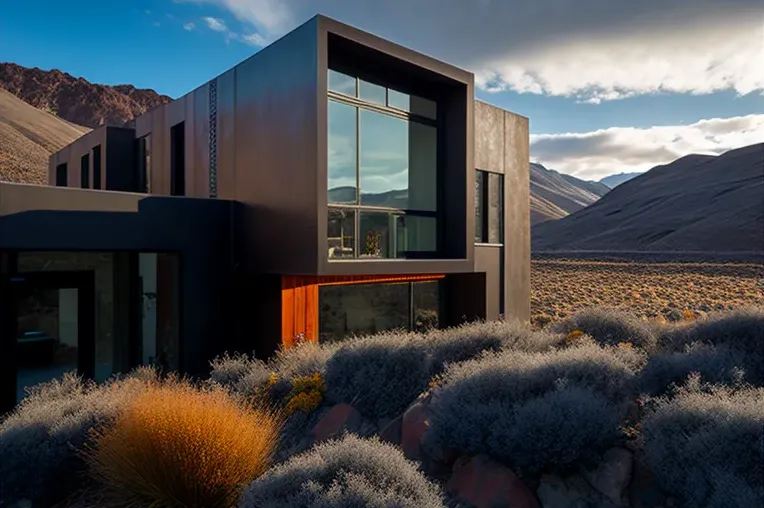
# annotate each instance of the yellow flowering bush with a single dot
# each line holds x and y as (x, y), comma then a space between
(573, 336)
(306, 395)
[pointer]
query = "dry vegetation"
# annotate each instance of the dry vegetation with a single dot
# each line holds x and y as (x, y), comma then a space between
(662, 291)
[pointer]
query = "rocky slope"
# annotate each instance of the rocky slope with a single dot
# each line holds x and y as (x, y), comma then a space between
(697, 203)
(27, 137)
(76, 99)
(555, 195)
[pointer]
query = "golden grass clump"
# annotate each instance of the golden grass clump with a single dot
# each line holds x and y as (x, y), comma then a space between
(688, 315)
(306, 395)
(574, 336)
(179, 445)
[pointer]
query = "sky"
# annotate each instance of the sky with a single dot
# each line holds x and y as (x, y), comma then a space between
(609, 86)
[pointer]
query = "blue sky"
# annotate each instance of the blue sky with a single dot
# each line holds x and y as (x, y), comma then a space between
(603, 88)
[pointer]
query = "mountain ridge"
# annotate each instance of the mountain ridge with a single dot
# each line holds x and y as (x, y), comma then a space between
(75, 99)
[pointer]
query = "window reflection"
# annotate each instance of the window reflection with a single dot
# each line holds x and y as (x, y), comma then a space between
(384, 150)
(342, 83)
(342, 153)
(398, 100)
(426, 300)
(363, 309)
(495, 208)
(372, 93)
(416, 235)
(341, 233)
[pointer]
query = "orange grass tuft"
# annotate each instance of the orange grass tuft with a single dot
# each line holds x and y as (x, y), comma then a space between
(178, 445)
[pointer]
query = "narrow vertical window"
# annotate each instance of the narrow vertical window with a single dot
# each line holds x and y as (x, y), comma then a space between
(85, 171)
(178, 160)
(97, 167)
(62, 175)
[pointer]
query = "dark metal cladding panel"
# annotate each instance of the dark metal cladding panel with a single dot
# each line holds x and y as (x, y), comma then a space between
(199, 181)
(276, 129)
(72, 154)
(226, 155)
(488, 260)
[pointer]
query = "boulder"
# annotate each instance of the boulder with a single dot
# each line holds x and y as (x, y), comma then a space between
(613, 474)
(392, 431)
(414, 424)
(339, 419)
(485, 483)
(643, 492)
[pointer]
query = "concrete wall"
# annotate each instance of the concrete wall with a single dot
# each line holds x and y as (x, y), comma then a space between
(501, 146)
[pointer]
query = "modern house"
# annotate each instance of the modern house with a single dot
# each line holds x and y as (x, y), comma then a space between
(332, 184)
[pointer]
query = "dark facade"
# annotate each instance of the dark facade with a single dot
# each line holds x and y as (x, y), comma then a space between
(333, 183)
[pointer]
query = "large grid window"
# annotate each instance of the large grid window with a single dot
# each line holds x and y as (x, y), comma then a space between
(382, 171)
(489, 207)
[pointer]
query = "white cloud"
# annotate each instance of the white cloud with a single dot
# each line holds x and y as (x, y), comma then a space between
(255, 40)
(593, 50)
(216, 24)
(189, 26)
(592, 155)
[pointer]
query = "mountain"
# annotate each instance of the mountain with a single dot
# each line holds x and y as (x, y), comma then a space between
(555, 195)
(76, 99)
(696, 203)
(27, 137)
(614, 181)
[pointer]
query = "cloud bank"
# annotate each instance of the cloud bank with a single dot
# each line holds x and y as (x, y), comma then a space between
(593, 155)
(593, 50)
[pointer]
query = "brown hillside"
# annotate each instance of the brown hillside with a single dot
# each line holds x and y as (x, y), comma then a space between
(697, 203)
(76, 99)
(27, 137)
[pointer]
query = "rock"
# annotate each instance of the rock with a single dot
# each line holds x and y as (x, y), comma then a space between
(613, 474)
(414, 424)
(485, 483)
(340, 418)
(392, 432)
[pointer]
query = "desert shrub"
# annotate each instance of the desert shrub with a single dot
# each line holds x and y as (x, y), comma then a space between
(741, 330)
(609, 327)
(714, 364)
(706, 444)
(229, 370)
(350, 472)
(40, 439)
(570, 395)
(178, 445)
(379, 375)
(303, 359)
(469, 340)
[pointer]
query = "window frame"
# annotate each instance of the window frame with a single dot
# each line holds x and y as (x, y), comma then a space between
(357, 208)
(484, 206)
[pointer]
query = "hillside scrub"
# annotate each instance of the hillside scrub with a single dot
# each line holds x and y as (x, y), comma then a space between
(610, 327)
(571, 400)
(704, 443)
(344, 473)
(179, 445)
(41, 439)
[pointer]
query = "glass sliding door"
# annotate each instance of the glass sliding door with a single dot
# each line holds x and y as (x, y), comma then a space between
(48, 330)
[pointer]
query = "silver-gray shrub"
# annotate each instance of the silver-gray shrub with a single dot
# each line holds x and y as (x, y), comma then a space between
(482, 402)
(610, 326)
(40, 440)
(714, 364)
(740, 330)
(344, 473)
(705, 444)
(379, 375)
(466, 341)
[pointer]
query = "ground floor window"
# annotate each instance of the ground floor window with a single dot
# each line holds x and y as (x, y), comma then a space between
(363, 309)
(92, 313)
